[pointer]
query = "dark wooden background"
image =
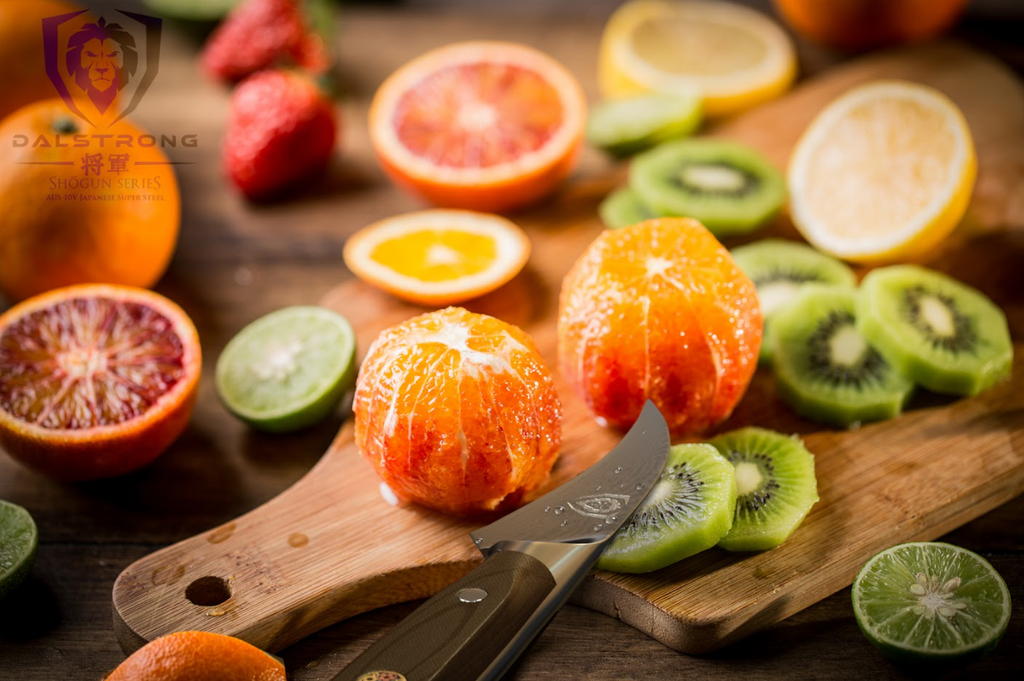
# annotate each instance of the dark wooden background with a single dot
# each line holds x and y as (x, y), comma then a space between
(237, 261)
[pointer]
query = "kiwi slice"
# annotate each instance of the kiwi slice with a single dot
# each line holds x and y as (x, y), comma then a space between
(944, 335)
(625, 126)
(623, 208)
(779, 269)
(825, 369)
(730, 188)
(775, 487)
(689, 509)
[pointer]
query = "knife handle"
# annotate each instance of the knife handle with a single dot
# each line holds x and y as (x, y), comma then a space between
(459, 631)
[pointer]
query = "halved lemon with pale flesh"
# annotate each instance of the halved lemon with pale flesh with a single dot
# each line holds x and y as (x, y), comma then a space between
(731, 56)
(438, 257)
(883, 174)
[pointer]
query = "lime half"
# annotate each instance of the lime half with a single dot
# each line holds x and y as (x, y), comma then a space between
(289, 369)
(195, 10)
(19, 539)
(931, 603)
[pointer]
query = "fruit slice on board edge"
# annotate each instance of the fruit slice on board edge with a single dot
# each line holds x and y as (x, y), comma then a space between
(438, 257)
(732, 57)
(942, 334)
(883, 173)
(775, 487)
(825, 369)
(19, 540)
(95, 380)
(930, 605)
(288, 369)
(689, 509)
(479, 125)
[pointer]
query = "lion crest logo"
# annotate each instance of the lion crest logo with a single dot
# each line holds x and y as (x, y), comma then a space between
(95, 64)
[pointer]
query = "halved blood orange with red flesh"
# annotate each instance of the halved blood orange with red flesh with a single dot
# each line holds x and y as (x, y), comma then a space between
(95, 380)
(457, 411)
(659, 311)
(479, 125)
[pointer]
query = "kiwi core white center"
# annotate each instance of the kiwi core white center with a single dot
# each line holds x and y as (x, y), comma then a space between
(748, 477)
(712, 178)
(847, 346)
(937, 316)
(776, 294)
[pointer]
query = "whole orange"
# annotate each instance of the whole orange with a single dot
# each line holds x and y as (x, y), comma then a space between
(859, 24)
(659, 311)
(198, 656)
(21, 51)
(81, 205)
(457, 411)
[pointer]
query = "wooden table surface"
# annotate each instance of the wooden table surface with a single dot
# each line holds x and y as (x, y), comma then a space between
(237, 261)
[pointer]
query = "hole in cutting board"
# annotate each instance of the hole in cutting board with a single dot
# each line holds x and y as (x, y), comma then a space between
(208, 591)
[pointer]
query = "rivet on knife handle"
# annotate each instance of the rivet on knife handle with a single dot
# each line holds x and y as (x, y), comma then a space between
(456, 634)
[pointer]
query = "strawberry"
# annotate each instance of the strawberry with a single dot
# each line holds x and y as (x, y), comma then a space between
(259, 34)
(281, 128)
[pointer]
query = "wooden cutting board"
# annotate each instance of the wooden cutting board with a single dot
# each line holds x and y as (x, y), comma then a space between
(331, 547)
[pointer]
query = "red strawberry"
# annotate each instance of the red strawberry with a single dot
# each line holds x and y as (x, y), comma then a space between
(259, 34)
(281, 128)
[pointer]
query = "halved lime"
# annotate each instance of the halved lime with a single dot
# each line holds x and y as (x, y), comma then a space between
(19, 539)
(289, 369)
(931, 603)
(626, 126)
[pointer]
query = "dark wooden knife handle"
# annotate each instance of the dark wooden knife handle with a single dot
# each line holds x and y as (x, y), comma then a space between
(456, 634)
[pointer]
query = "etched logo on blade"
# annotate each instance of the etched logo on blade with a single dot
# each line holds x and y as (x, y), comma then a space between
(599, 505)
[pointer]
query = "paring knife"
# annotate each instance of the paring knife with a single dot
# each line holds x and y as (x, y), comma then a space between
(536, 556)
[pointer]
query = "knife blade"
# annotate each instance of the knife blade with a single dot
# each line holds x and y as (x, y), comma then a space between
(535, 557)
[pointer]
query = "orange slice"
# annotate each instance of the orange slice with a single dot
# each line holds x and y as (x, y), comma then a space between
(438, 257)
(479, 125)
(95, 380)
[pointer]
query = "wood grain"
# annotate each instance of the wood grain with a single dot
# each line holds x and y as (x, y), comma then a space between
(917, 477)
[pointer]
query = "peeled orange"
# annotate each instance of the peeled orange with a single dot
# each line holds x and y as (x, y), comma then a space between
(480, 125)
(658, 311)
(457, 411)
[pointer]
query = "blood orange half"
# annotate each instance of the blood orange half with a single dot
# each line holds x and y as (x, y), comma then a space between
(480, 125)
(95, 380)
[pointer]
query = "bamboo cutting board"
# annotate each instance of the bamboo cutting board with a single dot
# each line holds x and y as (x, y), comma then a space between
(331, 547)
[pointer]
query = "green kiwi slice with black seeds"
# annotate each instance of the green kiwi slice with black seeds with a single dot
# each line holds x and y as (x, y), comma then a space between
(729, 187)
(623, 208)
(824, 367)
(944, 335)
(779, 269)
(775, 487)
(689, 509)
(630, 124)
